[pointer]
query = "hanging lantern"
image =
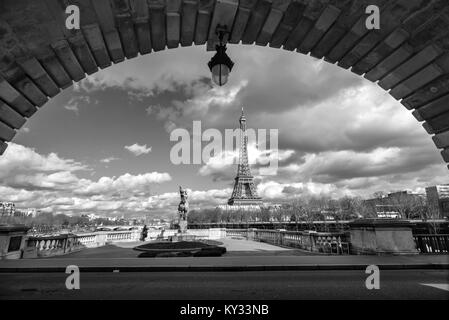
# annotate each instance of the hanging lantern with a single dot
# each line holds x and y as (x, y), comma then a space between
(220, 65)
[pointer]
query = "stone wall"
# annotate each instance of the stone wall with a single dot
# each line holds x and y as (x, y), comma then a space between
(382, 236)
(12, 241)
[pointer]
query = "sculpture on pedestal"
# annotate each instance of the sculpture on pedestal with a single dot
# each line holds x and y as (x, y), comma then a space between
(183, 208)
(144, 233)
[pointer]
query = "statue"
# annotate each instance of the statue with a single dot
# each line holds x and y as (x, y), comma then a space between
(144, 233)
(183, 208)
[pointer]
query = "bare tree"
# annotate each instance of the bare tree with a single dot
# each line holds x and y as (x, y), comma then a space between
(407, 205)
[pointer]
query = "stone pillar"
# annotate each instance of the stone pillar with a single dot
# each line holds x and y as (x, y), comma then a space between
(382, 236)
(101, 239)
(251, 234)
(216, 233)
(12, 241)
(182, 226)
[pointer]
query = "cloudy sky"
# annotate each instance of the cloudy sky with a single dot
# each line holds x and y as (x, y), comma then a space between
(103, 145)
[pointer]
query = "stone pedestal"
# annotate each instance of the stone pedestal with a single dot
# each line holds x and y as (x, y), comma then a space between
(182, 226)
(12, 241)
(382, 236)
(182, 237)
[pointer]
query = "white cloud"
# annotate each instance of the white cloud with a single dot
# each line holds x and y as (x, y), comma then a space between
(138, 149)
(125, 184)
(167, 69)
(222, 166)
(197, 199)
(34, 184)
(18, 158)
(272, 190)
(109, 159)
(75, 102)
(50, 183)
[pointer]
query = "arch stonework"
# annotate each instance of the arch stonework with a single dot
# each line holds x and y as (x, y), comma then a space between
(408, 56)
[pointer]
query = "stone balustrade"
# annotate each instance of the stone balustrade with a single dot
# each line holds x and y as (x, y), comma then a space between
(51, 245)
(432, 243)
(320, 242)
(329, 243)
(62, 244)
(211, 233)
(385, 234)
(237, 233)
(46, 246)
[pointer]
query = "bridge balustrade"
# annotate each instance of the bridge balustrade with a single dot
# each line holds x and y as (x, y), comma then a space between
(328, 243)
(237, 233)
(432, 243)
(62, 244)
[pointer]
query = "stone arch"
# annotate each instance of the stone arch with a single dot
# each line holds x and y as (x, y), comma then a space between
(408, 56)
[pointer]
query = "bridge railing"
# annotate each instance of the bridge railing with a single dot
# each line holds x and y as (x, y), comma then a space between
(322, 242)
(131, 235)
(237, 233)
(432, 243)
(44, 246)
(51, 245)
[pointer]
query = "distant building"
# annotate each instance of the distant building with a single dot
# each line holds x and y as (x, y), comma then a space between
(438, 201)
(246, 207)
(7, 209)
(32, 212)
(387, 206)
(91, 216)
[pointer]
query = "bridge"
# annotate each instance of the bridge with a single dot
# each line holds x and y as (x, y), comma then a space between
(408, 56)
(16, 244)
(419, 226)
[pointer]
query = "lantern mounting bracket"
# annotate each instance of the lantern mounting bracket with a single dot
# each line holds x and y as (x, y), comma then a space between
(221, 31)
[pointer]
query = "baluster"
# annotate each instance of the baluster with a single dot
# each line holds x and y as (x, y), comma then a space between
(439, 242)
(427, 242)
(433, 244)
(418, 243)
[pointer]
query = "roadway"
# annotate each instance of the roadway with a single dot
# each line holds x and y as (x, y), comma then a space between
(253, 285)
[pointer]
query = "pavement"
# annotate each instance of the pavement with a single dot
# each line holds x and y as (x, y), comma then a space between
(227, 263)
(242, 255)
(253, 285)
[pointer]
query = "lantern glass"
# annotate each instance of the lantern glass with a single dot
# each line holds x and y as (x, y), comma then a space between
(220, 74)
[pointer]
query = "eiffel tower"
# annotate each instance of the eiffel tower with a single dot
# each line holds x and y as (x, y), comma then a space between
(244, 193)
